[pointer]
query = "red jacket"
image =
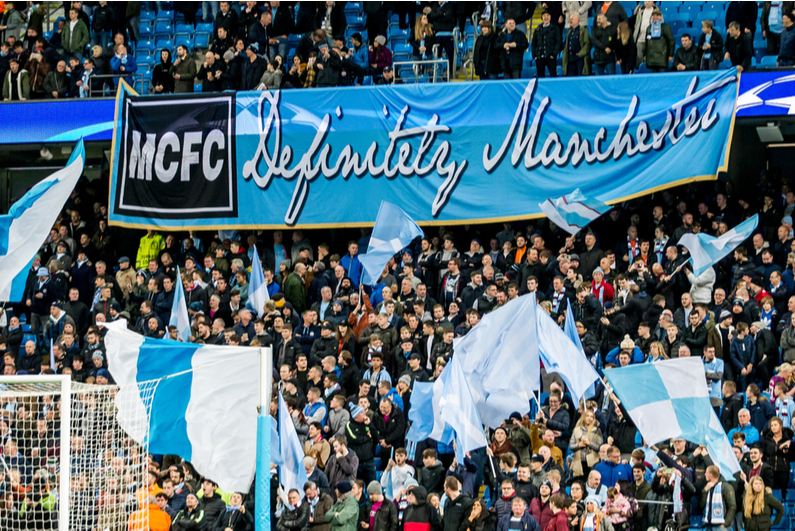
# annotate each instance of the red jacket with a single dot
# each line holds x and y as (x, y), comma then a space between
(559, 522)
(542, 513)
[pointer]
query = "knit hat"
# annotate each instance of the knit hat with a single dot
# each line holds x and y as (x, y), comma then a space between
(756, 280)
(356, 410)
(537, 459)
(97, 355)
(627, 343)
(374, 488)
(43, 272)
(411, 482)
(381, 40)
(547, 483)
(195, 306)
(739, 302)
(228, 56)
(343, 486)
(758, 324)
(573, 257)
(254, 47)
(599, 270)
(406, 379)
(57, 304)
(725, 314)
(103, 373)
(515, 415)
(594, 500)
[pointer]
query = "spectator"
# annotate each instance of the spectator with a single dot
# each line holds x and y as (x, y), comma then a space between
(226, 17)
(513, 44)
(56, 83)
(37, 69)
(710, 46)
(659, 49)
(759, 504)
(16, 84)
(11, 22)
(739, 46)
(642, 16)
(207, 73)
(123, 64)
(380, 55)
(423, 39)
(252, 69)
(442, 15)
(359, 53)
(162, 79)
(221, 43)
(546, 46)
(745, 427)
(604, 44)
(330, 17)
(329, 66)
(686, 56)
(577, 50)
(745, 15)
(772, 25)
(183, 71)
(104, 19)
(272, 78)
(281, 27)
(258, 33)
(518, 516)
(786, 54)
(75, 35)
(614, 12)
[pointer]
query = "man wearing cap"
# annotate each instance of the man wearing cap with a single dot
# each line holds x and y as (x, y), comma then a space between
(39, 298)
(360, 441)
(383, 513)
(55, 324)
(329, 65)
(343, 515)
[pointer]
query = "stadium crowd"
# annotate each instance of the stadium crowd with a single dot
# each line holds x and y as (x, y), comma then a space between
(273, 45)
(346, 357)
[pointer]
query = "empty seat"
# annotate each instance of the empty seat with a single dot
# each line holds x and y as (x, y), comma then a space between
(164, 30)
(166, 15)
(768, 61)
(184, 29)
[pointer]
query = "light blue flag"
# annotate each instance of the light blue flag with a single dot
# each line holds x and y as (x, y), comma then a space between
(421, 411)
(201, 401)
(179, 312)
(570, 329)
(706, 250)
(276, 451)
(28, 223)
(292, 474)
(258, 288)
(393, 231)
(458, 410)
(499, 357)
(562, 356)
(574, 211)
(52, 358)
(670, 399)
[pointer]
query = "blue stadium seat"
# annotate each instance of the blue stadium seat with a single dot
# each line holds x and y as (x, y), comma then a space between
(184, 29)
(148, 61)
(147, 47)
(148, 16)
(692, 7)
(685, 16)
(166, 44)
(202, 41)
(183, 40)
(715, 6)
(760, 50)
(559, 71)
(47, 36)
(368, 80)
(643, 69)
(705, 15)
(353, 8)
(402, 52)
(356, 22)
(768, 61)
(165, 15)
(145, 31)
(529, 72)
(667, 8)
(197, 87)
(164, 30)
(204, 28)
(677, 25)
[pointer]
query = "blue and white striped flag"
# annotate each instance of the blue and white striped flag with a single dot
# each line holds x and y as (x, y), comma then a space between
(258, 288)
(179, 312)
(28, 223)
(574, 211)
(706, 250)
(570, 329)
(670, 399)
(292, 474)
(393, 231)
(562, 356)
(202, 401)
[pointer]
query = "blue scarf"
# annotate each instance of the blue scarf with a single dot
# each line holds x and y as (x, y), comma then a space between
(656, 30)
(714, 512)
(659, 249)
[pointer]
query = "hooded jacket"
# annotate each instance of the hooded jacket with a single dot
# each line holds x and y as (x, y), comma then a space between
(421, 516)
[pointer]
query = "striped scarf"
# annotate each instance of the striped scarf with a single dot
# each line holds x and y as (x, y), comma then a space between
(632, 250)
(557, 299)
(782, 411)
(659, 249)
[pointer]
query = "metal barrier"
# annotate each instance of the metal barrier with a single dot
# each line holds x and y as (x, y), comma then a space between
(436, 64)
(111, 76)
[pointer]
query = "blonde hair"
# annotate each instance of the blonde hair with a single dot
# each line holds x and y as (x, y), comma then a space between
(95, 48)
(754, 502)
(623, 32)
(660, 349)
(422, 30)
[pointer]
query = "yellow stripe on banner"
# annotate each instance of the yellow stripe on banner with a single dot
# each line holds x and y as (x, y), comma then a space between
(122, 86)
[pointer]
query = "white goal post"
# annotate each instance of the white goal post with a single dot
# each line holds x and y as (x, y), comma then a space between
(66, 462)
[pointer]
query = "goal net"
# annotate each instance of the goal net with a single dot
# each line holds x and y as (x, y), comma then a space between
(67, 463)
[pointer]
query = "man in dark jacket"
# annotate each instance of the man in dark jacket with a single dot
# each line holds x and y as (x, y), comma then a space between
(546, 46)
(329, 65)
(211, 503)
(183, 70)
(711, 51)
(226, 17)
(208, 73)
(443, 17)
(513, 43)
(458, 505)
(386, 517)
(191, 518)
(360, 443)
(686, 56)
(744, 13)
(739, 46)
(258, 32)
(732, 404)
(252, 69)
(56, 82)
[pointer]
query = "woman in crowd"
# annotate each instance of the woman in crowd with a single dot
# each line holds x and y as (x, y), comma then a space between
(162, 80)
(759, 505)
(778, 453)
(422, 39)
(586, 438)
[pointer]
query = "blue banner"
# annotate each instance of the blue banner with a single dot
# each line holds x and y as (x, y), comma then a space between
(444, 153)
(39, 122)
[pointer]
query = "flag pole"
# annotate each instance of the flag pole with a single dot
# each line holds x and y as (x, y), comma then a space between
(262, 516)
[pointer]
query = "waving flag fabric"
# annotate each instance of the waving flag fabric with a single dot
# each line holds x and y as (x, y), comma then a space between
(204, 407)
(458, 410)
(671, 399)
(706, 250)
(258, 288)
(292, 474)
(179, 312)
(28, 222)
(393, 231)
(499, 357)
(574, 211)
(570, 329)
